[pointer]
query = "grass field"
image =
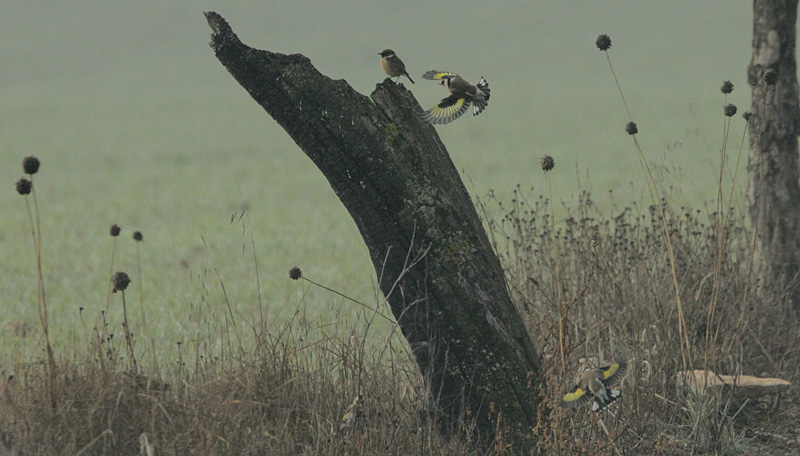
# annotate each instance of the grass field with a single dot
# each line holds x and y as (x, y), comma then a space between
(136, 123)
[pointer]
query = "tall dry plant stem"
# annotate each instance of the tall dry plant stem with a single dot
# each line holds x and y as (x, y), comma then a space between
(720, 235)
(111, 273)
(36, 235)
(128, 334)
(562, 314)
(686, 356)
(141, 288)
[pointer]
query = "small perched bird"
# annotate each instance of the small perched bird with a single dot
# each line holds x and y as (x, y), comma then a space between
(393, 66)
(462, 95)
(595, 384)
(353, 416)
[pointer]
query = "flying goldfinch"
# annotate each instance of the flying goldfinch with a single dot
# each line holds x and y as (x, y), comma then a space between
(393, 66)
(462, 95)
(353, 415)
(595, 384)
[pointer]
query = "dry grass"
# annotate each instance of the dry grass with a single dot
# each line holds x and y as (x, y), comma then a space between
(617, 303)
(284, 395)
(285, 392)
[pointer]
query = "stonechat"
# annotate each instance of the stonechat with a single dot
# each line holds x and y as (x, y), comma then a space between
(393, 66)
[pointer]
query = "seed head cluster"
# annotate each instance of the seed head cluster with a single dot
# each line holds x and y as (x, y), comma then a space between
(603, 42)
(547, 163)
(24, 186)
(730, 110)
(115, 229)
(631, 128)
(30, 165)
(120, 281)
(727, 87)
(295, 273)
(137, 236)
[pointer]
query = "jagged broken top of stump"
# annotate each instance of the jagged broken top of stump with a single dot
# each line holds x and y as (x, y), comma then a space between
(745, 386)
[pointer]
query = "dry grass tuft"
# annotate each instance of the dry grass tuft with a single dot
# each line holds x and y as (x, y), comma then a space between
(611, 288)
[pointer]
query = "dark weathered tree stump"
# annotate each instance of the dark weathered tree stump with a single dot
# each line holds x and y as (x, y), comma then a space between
(394, 176)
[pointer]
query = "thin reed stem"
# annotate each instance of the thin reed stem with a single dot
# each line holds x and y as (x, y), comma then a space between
(36, 235)
(111, 273)
(656, 198)
(720, 238)
(141, 288)
(562, 314)
(350, 299)
(128, 335)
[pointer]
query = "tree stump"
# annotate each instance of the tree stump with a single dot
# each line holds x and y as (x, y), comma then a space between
(434, 262)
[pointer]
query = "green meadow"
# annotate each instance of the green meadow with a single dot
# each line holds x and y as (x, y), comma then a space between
(137, 124)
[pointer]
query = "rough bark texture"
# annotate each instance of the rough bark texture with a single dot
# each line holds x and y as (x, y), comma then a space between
(393, 174)
(773, 192)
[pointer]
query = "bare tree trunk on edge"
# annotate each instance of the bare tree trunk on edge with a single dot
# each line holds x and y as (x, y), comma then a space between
(393, 174)
(773, 171)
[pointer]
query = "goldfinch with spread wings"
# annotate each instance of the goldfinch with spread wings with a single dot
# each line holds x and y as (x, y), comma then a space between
(595, 384)
(462, 96)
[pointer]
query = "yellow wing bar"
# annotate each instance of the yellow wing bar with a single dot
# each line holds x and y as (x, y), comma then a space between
(614, 373)
(436, 75)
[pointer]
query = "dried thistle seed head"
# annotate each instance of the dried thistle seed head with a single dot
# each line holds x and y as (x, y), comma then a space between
(730, 110)
(30, 164)
(295, 273)
(631, 128)
(547, 163)
(770, 77)
(727, 87)
(115, 229)
(120, 281)
(603, 42)
(24, 186)
(747, 115)
(137, 236)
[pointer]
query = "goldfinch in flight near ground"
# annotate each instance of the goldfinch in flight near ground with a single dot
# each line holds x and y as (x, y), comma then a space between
(595, 384)
(354, 416)
(393, 66)
(462, 95)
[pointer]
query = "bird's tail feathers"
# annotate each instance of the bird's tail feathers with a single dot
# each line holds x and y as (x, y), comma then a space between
(483, 86)
(481, 97)
(599, 405)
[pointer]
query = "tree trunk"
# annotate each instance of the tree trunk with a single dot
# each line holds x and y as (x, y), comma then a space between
(393, 174)
(773, 192)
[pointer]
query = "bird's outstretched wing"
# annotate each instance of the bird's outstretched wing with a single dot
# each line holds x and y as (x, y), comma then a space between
(448, 110)
(436, 75)
(613, 374)
(576, 398)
